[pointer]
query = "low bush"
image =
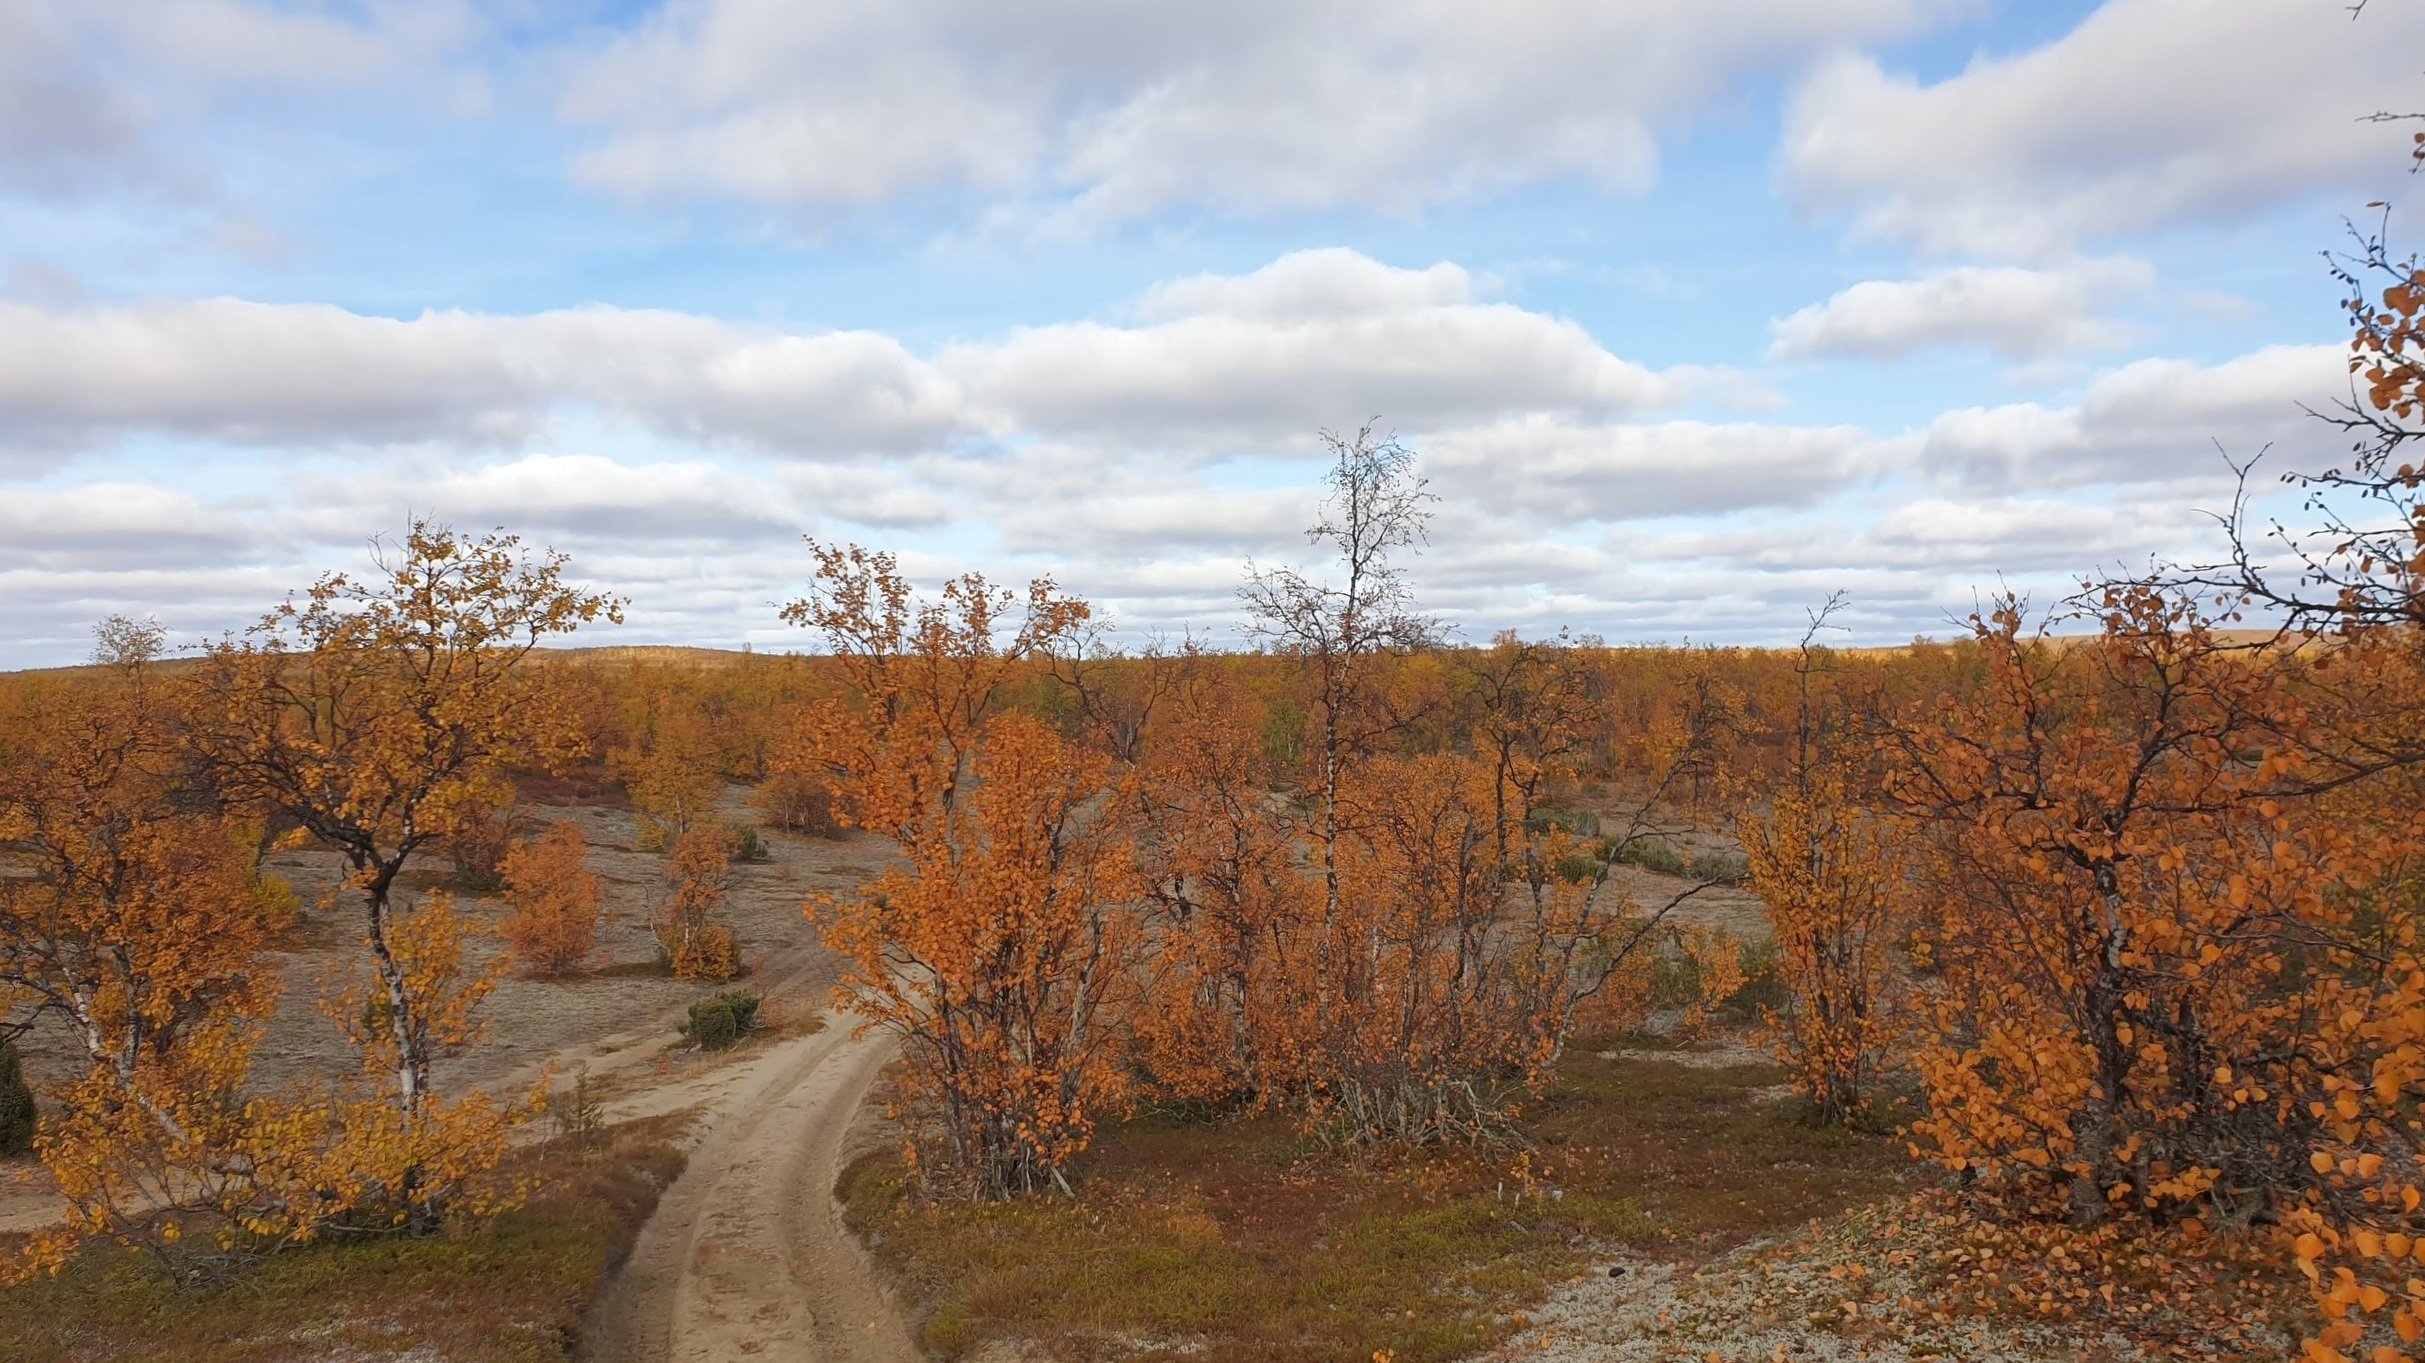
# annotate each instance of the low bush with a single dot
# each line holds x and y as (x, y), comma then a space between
(1763, 993)
(513, 1291)
(1579, 869)
(1575, 821)
(751, 845)
(1719, 866)
(479, 844)
(16, 1104)
(1651, 853)
(796, 802)
(718, 1021)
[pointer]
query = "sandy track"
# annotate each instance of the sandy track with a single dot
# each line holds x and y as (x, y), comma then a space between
(746, 1256)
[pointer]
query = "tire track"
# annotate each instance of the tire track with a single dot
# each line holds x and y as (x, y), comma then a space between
(746, 1256)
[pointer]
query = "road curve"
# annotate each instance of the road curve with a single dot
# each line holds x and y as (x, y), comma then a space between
(746, 1255)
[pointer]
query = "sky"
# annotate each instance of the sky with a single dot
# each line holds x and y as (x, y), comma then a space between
(1693, 313)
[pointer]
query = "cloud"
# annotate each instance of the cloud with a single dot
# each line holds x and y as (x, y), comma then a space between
(285, 375)
(115, 527)
(1084, 114)
(1150, 524)
(1140, 459)
(2015, 313)
(1326, 282)
(88, 88)
(1553, 469)
(1314, 339)
(65, 130)
(2148, 114)
(2150, 421)
(665, 503)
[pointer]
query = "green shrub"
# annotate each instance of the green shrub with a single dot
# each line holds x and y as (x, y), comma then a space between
(1650, 852)
(1763, 984)
(1675, 981)
(1579, 869)
(16, 1104)
(751, 845)
(719, 1020)
(1720, 866)
(575, 1113)
(1575, 821)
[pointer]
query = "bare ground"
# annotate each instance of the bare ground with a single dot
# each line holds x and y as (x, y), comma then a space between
(618, 1022)
(747, 1255)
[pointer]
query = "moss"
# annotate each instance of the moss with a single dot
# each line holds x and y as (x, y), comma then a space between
(1233, 1240)
(511, 1291)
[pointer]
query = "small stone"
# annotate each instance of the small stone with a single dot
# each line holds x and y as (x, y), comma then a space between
(1616, 1271)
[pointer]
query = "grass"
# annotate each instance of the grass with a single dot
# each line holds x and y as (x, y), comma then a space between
(512, 1291)
(1236, 1242)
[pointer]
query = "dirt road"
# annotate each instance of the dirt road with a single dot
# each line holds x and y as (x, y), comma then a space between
(746, 1256)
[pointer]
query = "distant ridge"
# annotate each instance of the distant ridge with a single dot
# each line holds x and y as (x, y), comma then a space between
(639, 655)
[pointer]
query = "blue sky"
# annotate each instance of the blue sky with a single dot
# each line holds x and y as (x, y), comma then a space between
(1693, 313)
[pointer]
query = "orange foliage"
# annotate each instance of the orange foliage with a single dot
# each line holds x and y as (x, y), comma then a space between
(993, 954)
(671, 765)
(797, 802)
(1822, 869)
(698, 876)
(1000, 958)
(553, 925)
(141, 928)
(1218, 849)
(380, 716)
(2129, 916)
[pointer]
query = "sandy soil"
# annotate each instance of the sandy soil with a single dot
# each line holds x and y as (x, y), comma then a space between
(1767, 1301)
(1730, 907)
(619, 1023)
(747, 1255)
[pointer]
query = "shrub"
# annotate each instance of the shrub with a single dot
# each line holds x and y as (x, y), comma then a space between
(1579, 869)
(1765, 992)
(752, 845)
(275, 895)
(1575, 821)
(16, 1104)
(796, 802)
(1651, 853)
(1721, 866)
(479, 845)
(718, 1021)
(698, 870)
(574, 1112)
(554, 923)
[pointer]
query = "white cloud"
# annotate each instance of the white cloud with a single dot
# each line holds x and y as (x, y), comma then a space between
(238, 45)
(115, 526)
(1552, 469)
(1174, 518)
(64, 130)
(1140, 462)
(665, 503)
(1326, 282)
(2015, 313)
(2150, 421)
(1314, 339)
(309, 374)
(2150, 113)
(87, 87)
(1091, 113)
